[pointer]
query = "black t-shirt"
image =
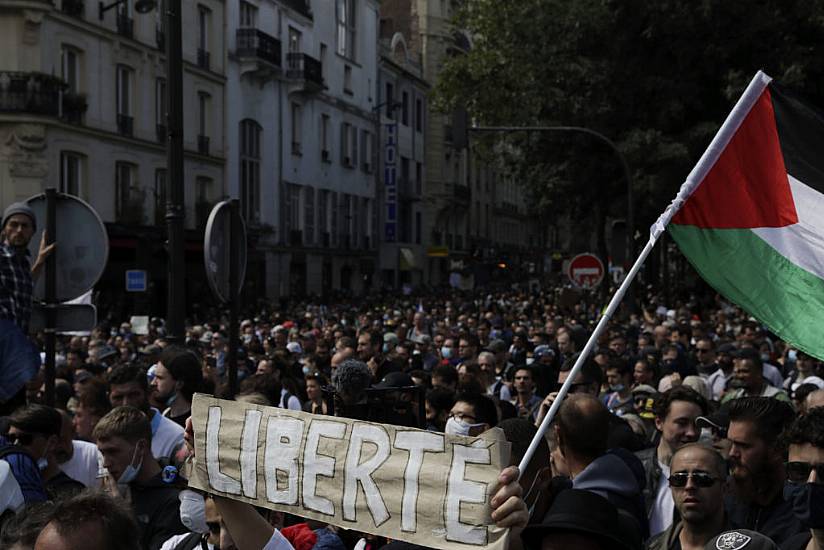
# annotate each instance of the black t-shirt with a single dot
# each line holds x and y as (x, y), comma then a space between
(776, 520)
(157, 510)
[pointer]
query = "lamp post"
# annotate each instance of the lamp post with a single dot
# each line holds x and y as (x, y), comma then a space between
(175, 199)
(602, 138)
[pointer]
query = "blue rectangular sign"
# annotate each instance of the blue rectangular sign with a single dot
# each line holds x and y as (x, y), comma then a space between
(136, 280)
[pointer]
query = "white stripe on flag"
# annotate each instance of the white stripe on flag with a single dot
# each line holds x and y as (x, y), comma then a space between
(801, 243)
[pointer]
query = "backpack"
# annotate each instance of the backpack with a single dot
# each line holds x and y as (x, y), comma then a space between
(191, 542)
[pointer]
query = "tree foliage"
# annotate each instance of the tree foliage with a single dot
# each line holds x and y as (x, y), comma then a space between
(657, 77)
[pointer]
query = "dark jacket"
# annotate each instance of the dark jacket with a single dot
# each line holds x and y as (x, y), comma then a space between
(776, 520)
(157, 510)
(649, 459)
(617, 476)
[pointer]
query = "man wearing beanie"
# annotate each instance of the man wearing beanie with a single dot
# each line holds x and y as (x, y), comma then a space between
(19, 360)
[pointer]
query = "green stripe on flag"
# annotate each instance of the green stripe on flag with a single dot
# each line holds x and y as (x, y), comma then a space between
(749, 272)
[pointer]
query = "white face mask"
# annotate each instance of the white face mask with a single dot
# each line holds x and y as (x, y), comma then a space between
(131, 471)
(459, 427)
(193, 511)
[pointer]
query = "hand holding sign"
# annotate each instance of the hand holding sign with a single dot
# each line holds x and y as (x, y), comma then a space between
(347, 473)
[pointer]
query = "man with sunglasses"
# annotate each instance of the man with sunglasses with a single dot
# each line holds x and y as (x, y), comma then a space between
(804, 440)
(757, 468)
(675, 414)
(697, 483)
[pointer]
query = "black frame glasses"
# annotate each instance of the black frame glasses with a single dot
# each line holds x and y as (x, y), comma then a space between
(799, 472)
(700, 479)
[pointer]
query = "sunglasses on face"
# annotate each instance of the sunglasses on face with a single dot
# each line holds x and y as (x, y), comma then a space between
(700, 479)
(21, 438)
(799, 472)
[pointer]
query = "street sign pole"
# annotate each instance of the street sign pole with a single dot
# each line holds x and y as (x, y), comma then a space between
(234, 291)
(51, 293)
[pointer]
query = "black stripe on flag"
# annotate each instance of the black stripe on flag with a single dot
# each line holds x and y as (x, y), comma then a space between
(801, 133)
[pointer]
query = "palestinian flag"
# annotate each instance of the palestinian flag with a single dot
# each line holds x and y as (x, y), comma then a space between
(751, 219)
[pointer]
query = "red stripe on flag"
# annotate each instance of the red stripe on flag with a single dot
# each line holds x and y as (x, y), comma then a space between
(747, 186)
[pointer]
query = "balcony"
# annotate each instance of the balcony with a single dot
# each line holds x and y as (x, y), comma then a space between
(306, 71)
(461, 193)
(203, 59)
(296, 237)
(300, 6)
(74, 8)
(203, 145)
(74, 106)
(160, 39)
(125, 125)
(125, 25)
(32, 93)
(258, 49)
(161, 131)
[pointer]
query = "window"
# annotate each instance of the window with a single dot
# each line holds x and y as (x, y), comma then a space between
(160, 102)
(203, 113)
(405, 109)
(124, 190)
(323, 222)
(418, 178)
(70, 58)
(347, 79)
(405, 182)
(293, 208)
(203, 207)
(309, 216)
(204, 16)
(323, 65)
(390, 99)
(248, 15)
(124, 78)
(297, 121)
(418, 228)
(333, 209)
(294, 40)
(366, 148)
(71, 173)
(160, 196)
(324, 139)
(125, 8)
(345, 14)
(250, 170)
(349, 145)
(418, 115)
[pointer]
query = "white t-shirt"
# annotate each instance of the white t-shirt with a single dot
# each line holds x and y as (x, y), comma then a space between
(660, 516)
(85, 464)
(172, 543)
(294, 402)
(167, 436)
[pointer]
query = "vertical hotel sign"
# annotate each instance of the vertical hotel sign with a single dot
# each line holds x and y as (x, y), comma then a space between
(390, 182)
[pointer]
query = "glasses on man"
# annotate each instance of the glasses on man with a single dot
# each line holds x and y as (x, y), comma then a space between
(799, 472)
(21, 438)
(700, 479)
(461, 417)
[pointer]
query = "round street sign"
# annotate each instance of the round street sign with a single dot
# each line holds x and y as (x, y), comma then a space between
(585, 270)
(82, 246)
(217, 244)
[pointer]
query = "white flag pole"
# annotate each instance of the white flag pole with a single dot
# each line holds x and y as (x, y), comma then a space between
(708, 159)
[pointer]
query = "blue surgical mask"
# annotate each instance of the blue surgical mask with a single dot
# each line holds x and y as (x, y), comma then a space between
(446, 352)
(792, 356)
(617, 388)
(306, 370)
(131, 471)
(193, 511)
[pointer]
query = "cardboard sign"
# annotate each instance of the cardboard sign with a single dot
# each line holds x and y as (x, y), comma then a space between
(407, 484)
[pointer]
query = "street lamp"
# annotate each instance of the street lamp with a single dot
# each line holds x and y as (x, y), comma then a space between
(175, 205)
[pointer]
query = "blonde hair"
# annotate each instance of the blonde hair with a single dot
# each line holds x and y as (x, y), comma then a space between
(126, 422)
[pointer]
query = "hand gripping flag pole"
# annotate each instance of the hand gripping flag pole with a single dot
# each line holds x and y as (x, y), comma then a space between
(708, 159)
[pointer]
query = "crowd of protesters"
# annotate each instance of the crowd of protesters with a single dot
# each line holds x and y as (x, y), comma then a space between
(688, 427)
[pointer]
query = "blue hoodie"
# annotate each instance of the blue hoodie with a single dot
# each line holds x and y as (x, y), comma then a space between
(618, 476)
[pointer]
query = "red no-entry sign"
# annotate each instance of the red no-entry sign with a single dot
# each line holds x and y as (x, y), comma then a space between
(585, 270)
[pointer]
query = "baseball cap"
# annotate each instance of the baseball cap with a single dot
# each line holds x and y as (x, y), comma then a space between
(740, 538)
(719, 420)
(729, 349)
(390, 338)
(395, 380)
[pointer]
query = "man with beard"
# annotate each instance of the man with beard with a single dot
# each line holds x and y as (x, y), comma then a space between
(698, 483)
(369, 349)
(675, 414)
(19, 360)
(129, 386)
(178, 375)
(757, 468)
